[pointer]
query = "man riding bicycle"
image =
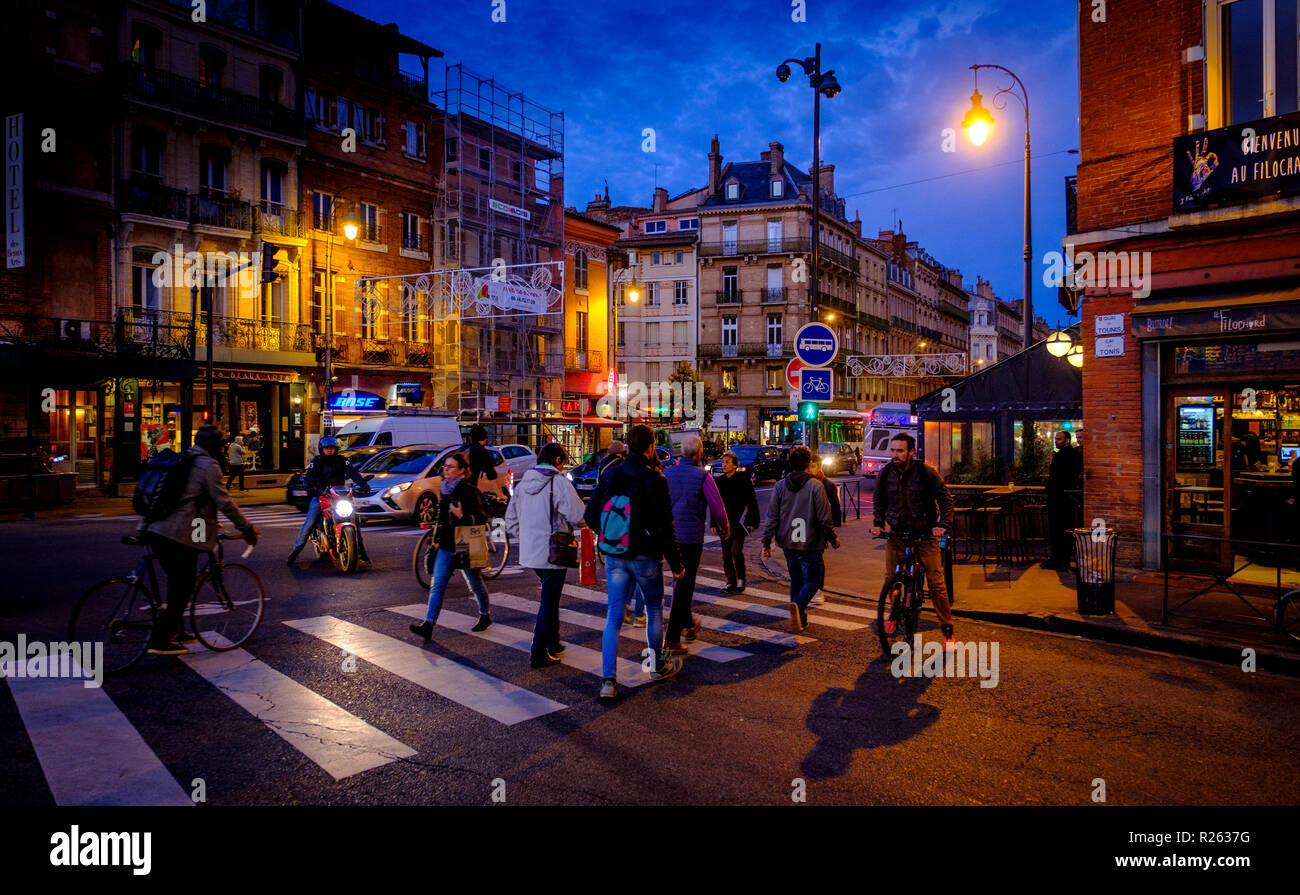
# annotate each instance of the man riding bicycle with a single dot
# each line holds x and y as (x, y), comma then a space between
(907, 493)
(325, 471)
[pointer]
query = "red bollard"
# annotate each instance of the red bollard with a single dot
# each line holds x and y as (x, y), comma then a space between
(587, 559)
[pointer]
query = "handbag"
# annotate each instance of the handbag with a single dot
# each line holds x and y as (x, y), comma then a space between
(563, 547)
(471, 547)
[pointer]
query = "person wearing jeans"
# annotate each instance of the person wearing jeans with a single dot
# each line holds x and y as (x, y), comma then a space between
(799, 517)
(623, 576)
(460, 504)
(692, 491)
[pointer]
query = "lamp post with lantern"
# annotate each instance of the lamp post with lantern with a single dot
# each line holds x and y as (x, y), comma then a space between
(350, 228)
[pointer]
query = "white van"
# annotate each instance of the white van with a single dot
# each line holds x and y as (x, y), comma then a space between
(399, 430)
(884, 423)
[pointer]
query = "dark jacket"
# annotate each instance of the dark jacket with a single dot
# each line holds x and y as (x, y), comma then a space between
(480, 463)
(201, 498)
(740, 500)
(328, 471)
(792, 502)
(652, 509)
(607, 462)
(1066, 471)
(833, 495)
(905, 498)
(692, 491)
(474, 514)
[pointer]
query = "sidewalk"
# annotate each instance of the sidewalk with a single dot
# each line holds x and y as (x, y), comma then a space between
(118, 506)
(1216, 626)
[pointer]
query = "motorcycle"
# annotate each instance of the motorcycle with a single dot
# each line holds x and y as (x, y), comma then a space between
(336, 535)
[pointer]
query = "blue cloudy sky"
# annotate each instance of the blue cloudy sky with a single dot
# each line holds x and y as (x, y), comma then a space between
(689, 69)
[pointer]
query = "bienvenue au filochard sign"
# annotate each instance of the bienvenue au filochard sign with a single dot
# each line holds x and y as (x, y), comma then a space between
(1238, 163)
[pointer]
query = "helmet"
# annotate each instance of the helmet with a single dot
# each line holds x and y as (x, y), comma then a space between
(329, 441)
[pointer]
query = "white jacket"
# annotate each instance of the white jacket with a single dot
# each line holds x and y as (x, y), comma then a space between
(528, 515)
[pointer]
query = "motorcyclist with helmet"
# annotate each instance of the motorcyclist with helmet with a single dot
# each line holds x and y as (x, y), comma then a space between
(328, 469)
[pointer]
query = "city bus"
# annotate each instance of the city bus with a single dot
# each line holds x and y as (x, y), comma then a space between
(884, 422)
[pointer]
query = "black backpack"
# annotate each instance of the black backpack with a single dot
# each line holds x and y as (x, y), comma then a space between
(158, 493)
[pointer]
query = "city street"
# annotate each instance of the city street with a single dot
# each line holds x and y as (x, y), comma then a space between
(334, 702)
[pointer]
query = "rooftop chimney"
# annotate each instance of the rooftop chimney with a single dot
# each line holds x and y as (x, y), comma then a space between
(776, 155)
(826, 179)
(954, 277)
(715, 165)
(660, 200)
(598, 204)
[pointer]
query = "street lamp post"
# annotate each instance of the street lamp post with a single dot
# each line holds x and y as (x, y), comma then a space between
(822, 84)
(977, 123)
(350, 232)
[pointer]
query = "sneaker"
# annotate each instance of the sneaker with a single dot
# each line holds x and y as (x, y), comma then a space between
(690, 633)
(293, 557)
(627, 615)
(483, 622)
(423, 629)
(817, 599)
(674, 648)
(608, 689)
(545, 660)
(803, 618)
(740, 586)
(186, 636)
(796, 619)
(949, 645)
(667, 668)
(555, 649)
(728, 590)
(639, 621)
(167, 648)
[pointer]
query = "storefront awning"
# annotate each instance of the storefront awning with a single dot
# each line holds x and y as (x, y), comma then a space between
(590, 422)
(1237, 312)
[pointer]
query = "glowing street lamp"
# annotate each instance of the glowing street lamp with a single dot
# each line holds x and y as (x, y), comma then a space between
(350, 226)
(1058, 343)
(1075, 356)
(978, 120)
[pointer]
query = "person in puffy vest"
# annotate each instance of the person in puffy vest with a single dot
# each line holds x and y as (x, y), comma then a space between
(650, 540)
(189, 531)
(693, 492)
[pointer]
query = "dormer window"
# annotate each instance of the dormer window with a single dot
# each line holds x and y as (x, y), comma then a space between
(778, 189)
(656, 226)
(733, 190)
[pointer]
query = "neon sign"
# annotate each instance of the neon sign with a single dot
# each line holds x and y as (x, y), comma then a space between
(350, 399)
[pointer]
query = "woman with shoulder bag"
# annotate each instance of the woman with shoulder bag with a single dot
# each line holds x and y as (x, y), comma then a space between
(540, 519)
(459, 505)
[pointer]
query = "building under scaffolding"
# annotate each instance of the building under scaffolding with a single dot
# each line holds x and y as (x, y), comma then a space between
(502, 197)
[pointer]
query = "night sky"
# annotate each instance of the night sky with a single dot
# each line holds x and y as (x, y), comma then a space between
(692, 69)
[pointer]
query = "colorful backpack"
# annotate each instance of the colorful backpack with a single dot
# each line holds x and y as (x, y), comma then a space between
(614, 538)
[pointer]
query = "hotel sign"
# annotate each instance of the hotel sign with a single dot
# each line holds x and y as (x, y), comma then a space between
(15, 249)
(1238, 163)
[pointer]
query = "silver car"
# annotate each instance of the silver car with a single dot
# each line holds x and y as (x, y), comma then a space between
(405, 482)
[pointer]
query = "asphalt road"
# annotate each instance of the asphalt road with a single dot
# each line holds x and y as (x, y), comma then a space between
(293, 720)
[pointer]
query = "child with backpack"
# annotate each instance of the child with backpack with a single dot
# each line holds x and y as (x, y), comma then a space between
(632, 515)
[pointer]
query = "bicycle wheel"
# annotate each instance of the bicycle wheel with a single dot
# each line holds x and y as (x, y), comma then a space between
(421, 559)
(118, 613)
(498, 548)
(891, 612)
(227, 606)
(1288, 615)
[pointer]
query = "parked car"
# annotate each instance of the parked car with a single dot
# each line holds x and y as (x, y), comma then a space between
(837, 459)
(760, 461)
(295, 490)
(403, 481)
(584, 475)
(520, 458)
(398, 430)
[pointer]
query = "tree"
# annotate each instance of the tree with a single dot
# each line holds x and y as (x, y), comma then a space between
(688, 376)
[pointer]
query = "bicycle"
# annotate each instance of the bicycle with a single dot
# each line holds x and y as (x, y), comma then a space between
(1288, 614)
(898, 613)
(225, 607)
(498, 544)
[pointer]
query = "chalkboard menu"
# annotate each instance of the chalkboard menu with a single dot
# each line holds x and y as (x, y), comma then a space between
(1237, 357)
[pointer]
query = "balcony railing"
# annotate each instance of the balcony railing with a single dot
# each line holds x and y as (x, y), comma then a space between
(187, 95)
(775, 296)
(370, 233)
(727, 297)
(787, 245)
(280, 220)
(765, 349)
(592, 361)
(872, 320)
(215, 210)
(145, 326)
(835, 256)
(926, 333)
(145, 195)
(412, 85)
(415, 242)
(905, 325)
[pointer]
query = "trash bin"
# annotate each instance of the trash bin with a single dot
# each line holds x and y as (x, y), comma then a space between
(1094, 551)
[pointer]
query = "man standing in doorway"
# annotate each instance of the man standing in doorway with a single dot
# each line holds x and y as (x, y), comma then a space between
(1064, 475)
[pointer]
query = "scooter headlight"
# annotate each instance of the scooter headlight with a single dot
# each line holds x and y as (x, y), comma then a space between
(343, 508)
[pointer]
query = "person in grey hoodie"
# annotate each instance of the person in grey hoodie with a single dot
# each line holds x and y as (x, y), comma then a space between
(544, 501)
(799, 517)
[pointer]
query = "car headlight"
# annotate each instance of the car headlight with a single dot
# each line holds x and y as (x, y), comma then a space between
(397, 489)
(343, 508)
(826, 461)
(569, 476)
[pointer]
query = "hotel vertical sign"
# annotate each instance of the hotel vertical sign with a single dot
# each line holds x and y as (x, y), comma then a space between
(15, 251)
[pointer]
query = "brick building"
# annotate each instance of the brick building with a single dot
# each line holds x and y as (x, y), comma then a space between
(1191, 360)
(587, 249)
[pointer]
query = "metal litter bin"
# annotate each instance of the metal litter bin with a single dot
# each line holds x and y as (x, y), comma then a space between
(1094, 551)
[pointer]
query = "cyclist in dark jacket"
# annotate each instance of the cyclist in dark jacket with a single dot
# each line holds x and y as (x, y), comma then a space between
(324, 472)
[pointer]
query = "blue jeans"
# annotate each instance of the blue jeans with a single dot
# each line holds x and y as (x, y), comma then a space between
(312, 520)
(807, 574)
(443, 565)
(623, 576)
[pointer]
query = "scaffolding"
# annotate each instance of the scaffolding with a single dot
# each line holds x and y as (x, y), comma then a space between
(501, 201)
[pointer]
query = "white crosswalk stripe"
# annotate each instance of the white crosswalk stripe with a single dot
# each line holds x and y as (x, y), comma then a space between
(775, 597)
(580, 657)
(336, 740)
(701, 648)
(474, 689)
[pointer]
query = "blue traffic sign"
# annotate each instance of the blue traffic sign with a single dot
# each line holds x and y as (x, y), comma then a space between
(816, 344)
(816, 384)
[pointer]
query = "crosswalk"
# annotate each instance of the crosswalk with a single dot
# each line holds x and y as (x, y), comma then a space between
(458, 677)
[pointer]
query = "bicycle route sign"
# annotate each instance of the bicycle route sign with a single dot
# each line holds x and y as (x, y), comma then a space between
(816, 344)
(816, 384)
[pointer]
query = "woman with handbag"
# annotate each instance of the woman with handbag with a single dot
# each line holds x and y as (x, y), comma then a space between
(461, 517)
(540, 519)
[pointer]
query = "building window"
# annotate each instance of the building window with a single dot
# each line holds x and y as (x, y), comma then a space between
(774, 235)
(733, 191)
(270, 84)
(145, 294)
(322, 208)
(272, 186)
(778, 189)
(212, 170)
(656, 226)
(680, 335)
(211, 63)
(369, 124)
(679, 257)
(622, 333)
(774, 329)
(679, 292)
(146, 153)
(654, 295)
(411, 232)
(580, 331)
(580, 269)
(485, 158)
(319, 300)
(517, 171)
(145, 42)
(688, 224)
(321, 109)
(654, 259)
(1253, 33)
(415, 139)
(452, 147)
(774, 379)
(730, 290)
(730, 380)
(729, 238)
(729, 330)
(652, 335)
(369, 229)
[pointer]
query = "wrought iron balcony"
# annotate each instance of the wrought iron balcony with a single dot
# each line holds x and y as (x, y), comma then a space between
(872, 320)
(835, 256)
(217, 210)
(726, 248)
(370, 232)
(905, 325)
(145, 326)
(187, 95)
(272, 218)
(592, 361)
(775, 296)
(727, 297)
(765, 349)
(146, 195)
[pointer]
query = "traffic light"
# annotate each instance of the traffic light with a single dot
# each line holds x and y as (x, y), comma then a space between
(269, 274)
(808, 411)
